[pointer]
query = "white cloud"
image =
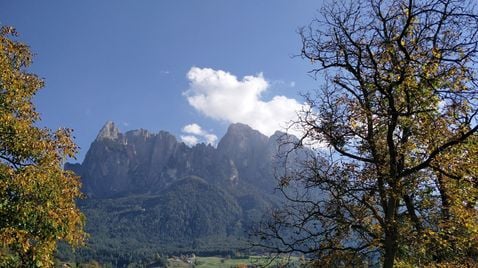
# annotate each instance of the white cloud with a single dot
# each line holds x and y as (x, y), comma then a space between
(210, 139)
(220, 95)
(193, 129)
(196, 134)
(189, 140)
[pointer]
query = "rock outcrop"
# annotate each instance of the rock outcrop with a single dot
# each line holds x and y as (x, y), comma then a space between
(148, 191)
(119, 164)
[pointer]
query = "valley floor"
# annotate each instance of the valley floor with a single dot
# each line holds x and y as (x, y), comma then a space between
(220, 262)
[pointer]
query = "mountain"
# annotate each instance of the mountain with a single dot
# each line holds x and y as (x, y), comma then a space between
(137, 161)
(147, 192)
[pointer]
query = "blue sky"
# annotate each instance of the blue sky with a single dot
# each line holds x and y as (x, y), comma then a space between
(187, 67)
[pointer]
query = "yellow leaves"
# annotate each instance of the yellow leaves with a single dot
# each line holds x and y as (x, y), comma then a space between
(37, 198)
(436, 53)
(411, 79)
(44, 209)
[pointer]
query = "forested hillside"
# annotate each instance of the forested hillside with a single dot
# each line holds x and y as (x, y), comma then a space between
(148, 194)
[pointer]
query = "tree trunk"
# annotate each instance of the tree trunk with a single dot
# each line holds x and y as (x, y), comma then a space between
(391, 232)
(391, 248)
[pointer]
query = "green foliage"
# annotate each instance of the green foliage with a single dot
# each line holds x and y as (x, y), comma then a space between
(189, 216)
(37, 198)
(252, 261)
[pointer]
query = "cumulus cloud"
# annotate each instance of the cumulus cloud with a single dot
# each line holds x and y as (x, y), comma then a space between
(193, 129)
(189, 140)
(195, 135)
(222, 96)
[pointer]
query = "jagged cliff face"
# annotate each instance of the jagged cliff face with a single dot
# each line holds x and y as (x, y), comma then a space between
(149, 191)
(138, 161)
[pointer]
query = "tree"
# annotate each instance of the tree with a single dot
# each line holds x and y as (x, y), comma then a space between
(396, 176)
(37, 197)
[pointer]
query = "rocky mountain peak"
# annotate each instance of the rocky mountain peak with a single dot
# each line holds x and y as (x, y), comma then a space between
(139, 161)
(152, 188)
(108, 131)
(240, 139)
(242, 129)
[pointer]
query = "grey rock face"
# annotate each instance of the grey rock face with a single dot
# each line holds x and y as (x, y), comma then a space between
(138, 161)
(109, 131)
(161, 194)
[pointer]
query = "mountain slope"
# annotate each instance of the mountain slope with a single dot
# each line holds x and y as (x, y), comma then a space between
(148, 192)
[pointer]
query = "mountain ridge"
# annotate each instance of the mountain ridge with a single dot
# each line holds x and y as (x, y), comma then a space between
(138, 161)
(149, 191)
